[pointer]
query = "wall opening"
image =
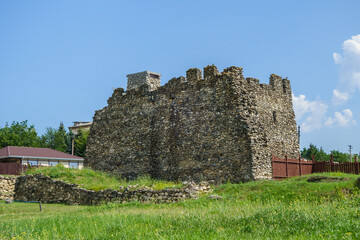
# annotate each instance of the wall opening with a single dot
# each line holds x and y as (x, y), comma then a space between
(154, 75)
(274, 117)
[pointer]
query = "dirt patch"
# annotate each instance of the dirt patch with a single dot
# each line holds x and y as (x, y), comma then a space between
(326, 179)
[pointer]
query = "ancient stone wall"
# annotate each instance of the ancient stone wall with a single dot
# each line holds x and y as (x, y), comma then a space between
(42, 188)
(272, 125)
(7, 187)
(214, 127)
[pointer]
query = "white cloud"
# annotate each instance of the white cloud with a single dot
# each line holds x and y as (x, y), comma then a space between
(349, 70)
(352, 46)
(339, 97)
(344, 119)
(311, 113)
(337, 58)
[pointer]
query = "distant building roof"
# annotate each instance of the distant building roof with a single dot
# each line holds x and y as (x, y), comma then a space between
(78, 123)
(30, 152)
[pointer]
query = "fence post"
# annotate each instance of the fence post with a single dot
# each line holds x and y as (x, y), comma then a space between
(353, 167)
(356, 166)
(313, 163)
(272, 165)
(331, 163)
(300, 164)
(286, 159)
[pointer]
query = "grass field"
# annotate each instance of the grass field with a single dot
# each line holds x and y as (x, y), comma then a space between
(289, 209)
(96, 180)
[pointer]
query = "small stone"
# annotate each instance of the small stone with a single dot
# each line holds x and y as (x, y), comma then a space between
(8, 201)
(215, 197)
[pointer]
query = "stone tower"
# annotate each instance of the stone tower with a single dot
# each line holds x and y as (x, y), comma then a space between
(210, 126)
(151, 79)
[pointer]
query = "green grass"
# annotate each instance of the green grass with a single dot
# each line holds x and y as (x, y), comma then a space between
(289, 209)
(96, 180)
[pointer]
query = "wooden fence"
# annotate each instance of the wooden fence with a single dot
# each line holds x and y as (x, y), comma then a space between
(283, 168)
(289, 167)
(331, 166)
(12, 168)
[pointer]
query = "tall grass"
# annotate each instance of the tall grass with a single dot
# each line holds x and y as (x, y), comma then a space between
(289, 209)
(97, 180)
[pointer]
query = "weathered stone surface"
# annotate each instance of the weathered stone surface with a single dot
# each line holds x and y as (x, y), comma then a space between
(7, 186)
(215, 197)
(151, 79)
(221, 127)
(42, 188)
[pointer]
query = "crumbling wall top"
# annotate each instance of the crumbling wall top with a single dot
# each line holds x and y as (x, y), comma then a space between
(236, 72)
(152, 79)
(147, 81)
(193, 75)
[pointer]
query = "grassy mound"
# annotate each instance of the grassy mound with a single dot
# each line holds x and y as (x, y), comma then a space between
(334, 186)
(97, 180)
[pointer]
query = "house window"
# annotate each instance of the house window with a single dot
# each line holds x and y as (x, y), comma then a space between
(74, 165)
(53, 163)
(33, 162)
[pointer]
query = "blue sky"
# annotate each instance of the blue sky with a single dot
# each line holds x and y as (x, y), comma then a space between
(60, 60)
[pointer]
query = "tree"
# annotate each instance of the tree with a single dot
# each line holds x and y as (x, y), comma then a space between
(56, 138)
(19, 134)
(339, 156)
(70, 136)
(61, 138)
(48, 138)
(80, 143)
(310, 152)
(319, 154)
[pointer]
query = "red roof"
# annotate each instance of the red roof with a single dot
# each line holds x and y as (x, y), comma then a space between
(11, 151)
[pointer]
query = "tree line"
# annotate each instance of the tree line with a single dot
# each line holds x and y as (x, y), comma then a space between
(320, 155)
(24, 135)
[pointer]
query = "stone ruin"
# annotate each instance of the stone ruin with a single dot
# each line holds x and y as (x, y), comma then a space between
(219, 126)
(7, 187)
(42, 188)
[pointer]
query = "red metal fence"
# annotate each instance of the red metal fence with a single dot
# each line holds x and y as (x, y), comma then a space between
(12, 168)
(283, 168)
